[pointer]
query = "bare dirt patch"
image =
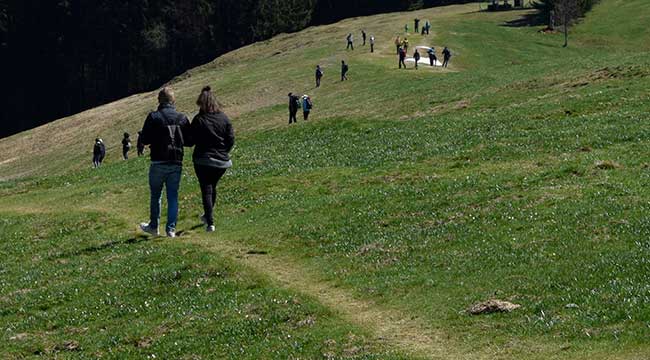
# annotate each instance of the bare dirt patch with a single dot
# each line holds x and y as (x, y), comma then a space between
(492, 306)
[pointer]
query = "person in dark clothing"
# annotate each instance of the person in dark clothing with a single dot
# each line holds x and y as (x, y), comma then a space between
(294, 104)
(307, 105)
(350, 40)
(126, 146)
(319, 75)
(363, 36)
(213, 137)
(432, 56)
(99, 152)
(402, 57)
(446, 56)
(140, 145)
(166, 131)
(416, 57)
(417, 24)
(344, 70)
(372, 43)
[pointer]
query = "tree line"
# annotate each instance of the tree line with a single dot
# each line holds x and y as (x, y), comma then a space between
(59, 57)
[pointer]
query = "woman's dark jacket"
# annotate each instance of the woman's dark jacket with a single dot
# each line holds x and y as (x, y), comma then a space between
(213, 136)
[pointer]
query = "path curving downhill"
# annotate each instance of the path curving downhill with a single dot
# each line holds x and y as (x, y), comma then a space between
(389, 327)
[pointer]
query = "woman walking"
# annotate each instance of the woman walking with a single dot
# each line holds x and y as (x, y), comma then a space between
(213, 137)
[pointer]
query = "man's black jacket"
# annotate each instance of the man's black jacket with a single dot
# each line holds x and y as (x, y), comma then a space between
(166, 131)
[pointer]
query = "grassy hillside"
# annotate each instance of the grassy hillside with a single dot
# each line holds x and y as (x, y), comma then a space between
(519, 173)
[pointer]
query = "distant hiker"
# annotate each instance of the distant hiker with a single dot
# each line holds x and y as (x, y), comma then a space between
(372, 43)
(363, 36)
(350, 39)
(166, 131)
(307, 105)
(416, 22)
(406, 28)
(402, 57)
(416, 57)
(213, 138)
(344, 70)
(398, 44)
(427, 27)
(319, 75)
(139, 144)
(405, 45)
(446, 56)
(294, 104)
(99, 152)
(432, 56)
(126, 146)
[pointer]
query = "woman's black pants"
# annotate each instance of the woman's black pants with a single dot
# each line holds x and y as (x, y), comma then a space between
(208, 179)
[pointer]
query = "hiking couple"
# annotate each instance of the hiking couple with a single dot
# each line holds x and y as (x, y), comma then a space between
(295, 103)
(167, 131)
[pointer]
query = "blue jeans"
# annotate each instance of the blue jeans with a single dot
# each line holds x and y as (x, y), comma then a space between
(168, 175)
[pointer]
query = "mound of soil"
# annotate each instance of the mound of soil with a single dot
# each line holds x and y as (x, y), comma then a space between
(492, 306)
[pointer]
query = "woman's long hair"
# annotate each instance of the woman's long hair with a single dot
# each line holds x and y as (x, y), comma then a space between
(207, 102)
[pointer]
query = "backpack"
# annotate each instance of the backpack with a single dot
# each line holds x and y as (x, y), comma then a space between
(345, 68)
(296, 101)
(173, 142)
(309, 104)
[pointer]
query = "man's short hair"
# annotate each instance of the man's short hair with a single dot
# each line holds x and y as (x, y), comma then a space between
(166, 96)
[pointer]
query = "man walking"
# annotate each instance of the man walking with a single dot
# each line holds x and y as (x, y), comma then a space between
(344, 70)
(319, 75)
(350, 39)
(416, 22)
(294, 104)
(166, 131)
(432, 56)
(372, 43)
(363, 36)
(126, 146)
(416, 57)
(446, 55)
(402, 57)
(99, 152)
(140, 145)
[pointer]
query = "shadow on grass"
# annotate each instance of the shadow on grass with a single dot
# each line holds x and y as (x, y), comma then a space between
(532, 19)
(97, 248)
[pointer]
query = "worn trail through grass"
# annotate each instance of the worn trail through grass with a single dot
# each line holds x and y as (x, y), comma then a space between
(389, 326)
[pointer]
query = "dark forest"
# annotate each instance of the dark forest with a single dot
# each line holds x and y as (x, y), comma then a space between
(59, 57)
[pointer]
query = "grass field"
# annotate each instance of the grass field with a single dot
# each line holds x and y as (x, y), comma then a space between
(518, 173)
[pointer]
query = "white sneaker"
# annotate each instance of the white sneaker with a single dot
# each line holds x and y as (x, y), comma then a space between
(203, 219)
(149, 229)
(171, 233)
(210, 228)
